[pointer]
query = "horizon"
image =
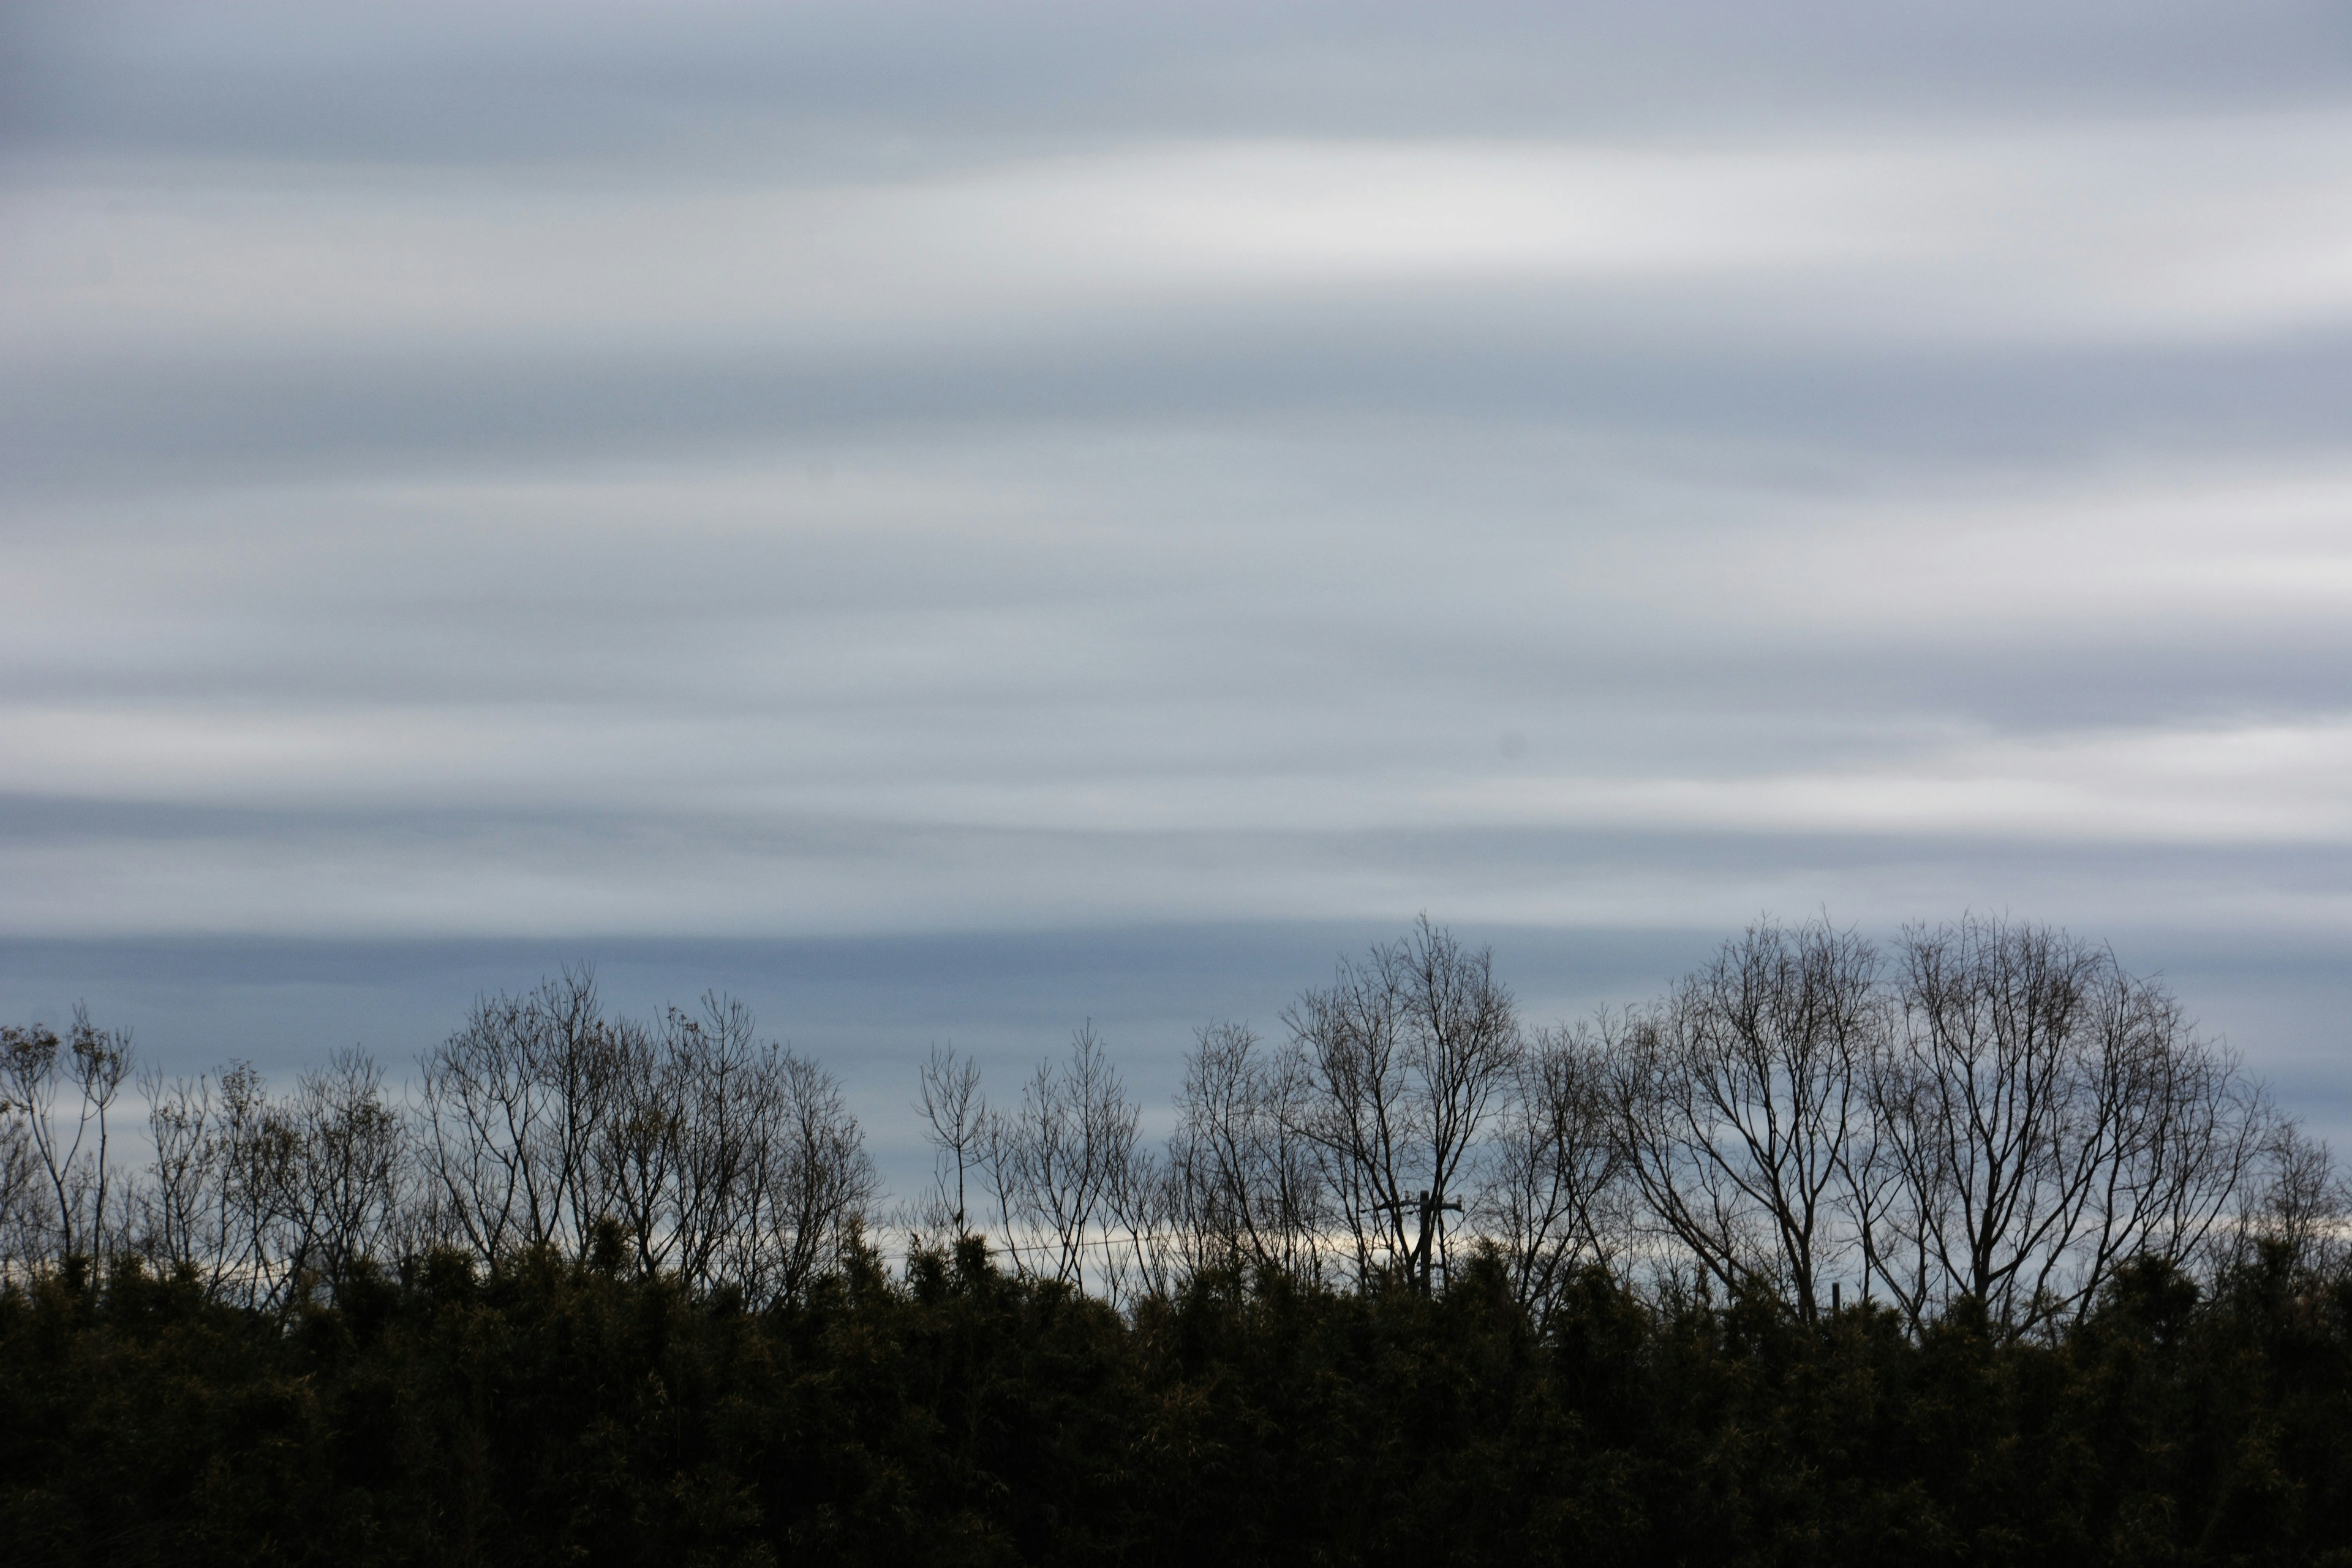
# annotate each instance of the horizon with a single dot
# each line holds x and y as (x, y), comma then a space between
(868, 1008)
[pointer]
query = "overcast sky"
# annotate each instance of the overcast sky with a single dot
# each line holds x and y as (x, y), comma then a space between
(584, 473)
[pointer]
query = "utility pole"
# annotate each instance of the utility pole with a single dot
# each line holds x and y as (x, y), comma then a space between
(1432, 1215)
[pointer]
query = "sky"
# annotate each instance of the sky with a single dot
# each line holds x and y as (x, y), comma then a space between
(953, 520)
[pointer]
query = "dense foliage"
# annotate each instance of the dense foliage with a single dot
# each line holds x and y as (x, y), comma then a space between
(553, 1411)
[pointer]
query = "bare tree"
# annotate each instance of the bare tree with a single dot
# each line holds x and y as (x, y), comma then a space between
(345, 1176)
(480, 1114)
(955, 1122)
(1739, 1101)
(1245, 1184)
(1140, 1254)
(571, 1054)
(2049, 1116)
(1403, 1055)
(2301, 1206)
(1062, 1161)
(1359, 1111)
(638, 1141)
(1553, 1199)
(724, 1093)
(512, 1106)
(70, 1150)
(176, 1229)
(2189, 1130)
(726, 1160)
(254, 1150)
(809, 1185)
(24, 1221)
(255, 1194)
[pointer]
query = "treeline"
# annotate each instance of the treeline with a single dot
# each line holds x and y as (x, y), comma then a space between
(1985, 1112)
(1968, 1249)
(708, 1154)
(1993, 1112)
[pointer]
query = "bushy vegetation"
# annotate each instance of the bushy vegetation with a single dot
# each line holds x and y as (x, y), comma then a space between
(1970, 1252)
(553, 1410)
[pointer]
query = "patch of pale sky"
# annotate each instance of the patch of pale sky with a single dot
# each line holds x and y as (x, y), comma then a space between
(2162, 230)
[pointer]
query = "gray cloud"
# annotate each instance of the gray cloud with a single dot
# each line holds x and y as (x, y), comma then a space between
(604, 472)
(588, 81)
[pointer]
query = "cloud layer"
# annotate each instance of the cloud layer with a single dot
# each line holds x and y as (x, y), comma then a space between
(751, 470)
